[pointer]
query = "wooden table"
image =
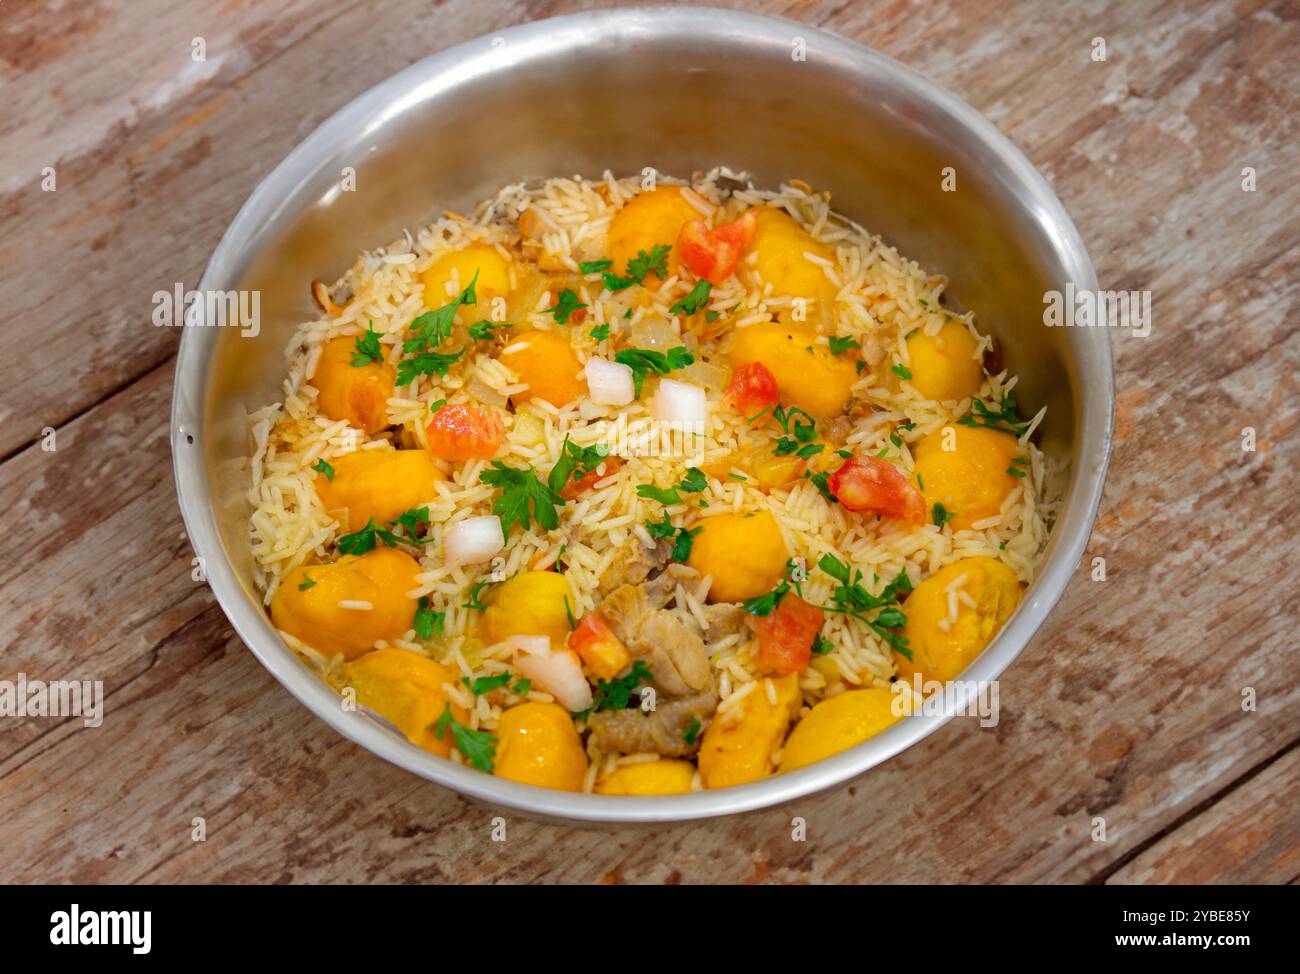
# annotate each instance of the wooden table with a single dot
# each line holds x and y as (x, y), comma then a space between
(1127, 707)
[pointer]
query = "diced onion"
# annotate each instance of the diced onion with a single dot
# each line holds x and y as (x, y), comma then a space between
(654, 333)
(473, 540)
(609, 383)
(558, 672)
(680, 403)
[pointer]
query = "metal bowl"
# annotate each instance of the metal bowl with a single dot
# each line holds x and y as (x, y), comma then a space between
(680, 89)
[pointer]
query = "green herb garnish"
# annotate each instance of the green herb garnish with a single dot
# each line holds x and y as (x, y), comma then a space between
(599, 333)
(367, 348)
(523, 497)
(479, 747)
(840, 345)
(566, 303)
(643, 361)
(359, 542)
(323, 466)
(692, 303)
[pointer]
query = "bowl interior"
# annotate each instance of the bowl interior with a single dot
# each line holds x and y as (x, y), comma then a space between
(681, 91)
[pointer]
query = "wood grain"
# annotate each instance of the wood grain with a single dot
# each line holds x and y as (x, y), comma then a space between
(1127, 707)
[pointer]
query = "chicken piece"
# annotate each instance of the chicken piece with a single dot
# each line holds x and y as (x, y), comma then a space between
(637, 563)
(662, 731)
(725, 619)
(674, 655)
(661, 589)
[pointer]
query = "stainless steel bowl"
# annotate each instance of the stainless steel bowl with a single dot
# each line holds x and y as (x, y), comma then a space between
(680, 89)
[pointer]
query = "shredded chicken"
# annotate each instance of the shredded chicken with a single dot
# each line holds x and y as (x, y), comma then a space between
(662, 731)
(674, 655)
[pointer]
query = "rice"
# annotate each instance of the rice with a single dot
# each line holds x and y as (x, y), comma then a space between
(879, 298)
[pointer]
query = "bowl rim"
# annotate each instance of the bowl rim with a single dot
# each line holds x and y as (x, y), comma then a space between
(1070, 534)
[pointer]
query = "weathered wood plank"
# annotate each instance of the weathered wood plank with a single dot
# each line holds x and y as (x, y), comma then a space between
(1126, 707)
(1249, 836)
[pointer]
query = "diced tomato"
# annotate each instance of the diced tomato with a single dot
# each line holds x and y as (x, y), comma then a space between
(712, 254)
(785, 635)
(869, 484)
(598, 647)
(465, 432)
(752, 389)
(573, 488)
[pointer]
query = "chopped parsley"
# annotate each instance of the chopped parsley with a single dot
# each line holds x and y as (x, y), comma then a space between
(656, 262)
(575, 462)
(486, 684)
(711, 316)
(615, 694)
(661, 529)
(482, 330)
(902, 371)
(693, 483)
(434, 327)
(692, 303)
(359, 542)
(323, 466)
(851, 598)
(426, 363)
(692, 732)
(307, 582)
(368, 349)
(682, 546)
(566, 303)
(643, 361)
(427, 623)
(1005, 418)
(411, 520)
(941, 515)
(841, 345)
(436, 405)
(765, 605)
(523, 497)
(568, 614)
(479, 747)
(600, 332)
(594, 266)
(821, 645)
(473, 601)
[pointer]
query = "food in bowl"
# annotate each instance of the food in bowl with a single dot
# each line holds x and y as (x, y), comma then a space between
(640, 486)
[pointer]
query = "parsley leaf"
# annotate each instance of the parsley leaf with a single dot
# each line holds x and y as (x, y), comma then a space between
(482, 330)
(427, 623)
(682, 546)
(523, 497)
(851, 598)
(575, 461)
(323, 466)
(940, 514)
(765, 605)
(615, 694)
(1005, 418)
(479, 747)
(643, 361)
(660, 529)
(600, 332)
(308, 581)
(368, 348)
(694, 481)
(411, 520)
(903, 372)
(359, 542)
(592, 266)
(655, 262)
(486, 684)
(692, 303)
(473, 602)
(425, 363)
(434, 327)
(692, 732)
(839, 345)
(821, 645)
(664, 495)
(566, 303)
